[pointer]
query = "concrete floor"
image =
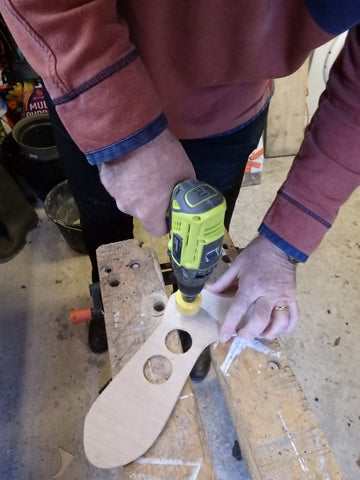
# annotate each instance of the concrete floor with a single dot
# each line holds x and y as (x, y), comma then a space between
(49, 377)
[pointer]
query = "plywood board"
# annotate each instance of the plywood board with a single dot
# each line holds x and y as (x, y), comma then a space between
(133, 308)
(124, 422)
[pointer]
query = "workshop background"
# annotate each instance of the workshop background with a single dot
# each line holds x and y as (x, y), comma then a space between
(49, 377)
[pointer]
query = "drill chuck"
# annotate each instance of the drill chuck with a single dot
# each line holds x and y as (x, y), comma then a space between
(190, 281)
(186, 306)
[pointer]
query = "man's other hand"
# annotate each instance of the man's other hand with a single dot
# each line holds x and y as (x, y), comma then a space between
(265, 304)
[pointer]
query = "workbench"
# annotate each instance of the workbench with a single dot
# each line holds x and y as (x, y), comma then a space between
(278, 434)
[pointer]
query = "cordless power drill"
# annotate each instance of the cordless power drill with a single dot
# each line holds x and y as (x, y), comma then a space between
(196, 224)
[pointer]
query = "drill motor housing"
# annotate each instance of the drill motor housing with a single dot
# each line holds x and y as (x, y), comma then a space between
(196, 223)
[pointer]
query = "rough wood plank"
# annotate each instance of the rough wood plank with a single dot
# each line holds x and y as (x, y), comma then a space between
(133, 308)
(284, 131)
(277, 430)
(133, 296)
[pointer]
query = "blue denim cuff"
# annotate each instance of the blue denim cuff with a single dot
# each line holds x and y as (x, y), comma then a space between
(128, 144)
(285, 246)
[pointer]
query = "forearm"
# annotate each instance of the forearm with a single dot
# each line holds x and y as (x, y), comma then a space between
(327, 169)
(102, 92)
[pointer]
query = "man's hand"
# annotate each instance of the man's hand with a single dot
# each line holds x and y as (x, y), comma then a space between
(266, 280)
(142, 181)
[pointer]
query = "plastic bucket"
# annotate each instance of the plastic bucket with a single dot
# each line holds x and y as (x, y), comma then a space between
(60, 207)
(35, 136)
(39, 162)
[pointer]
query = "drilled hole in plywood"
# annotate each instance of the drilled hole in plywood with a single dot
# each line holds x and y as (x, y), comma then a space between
(135, 264)
(178, 341)
(157, 369)
(108, 269)
(114, 282)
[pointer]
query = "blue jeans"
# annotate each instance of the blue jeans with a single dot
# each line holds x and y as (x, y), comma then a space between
(219, 161)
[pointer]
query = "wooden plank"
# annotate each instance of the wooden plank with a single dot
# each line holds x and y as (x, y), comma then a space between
(278, 433)
(284, 131)
(277, 430)
(134, 299)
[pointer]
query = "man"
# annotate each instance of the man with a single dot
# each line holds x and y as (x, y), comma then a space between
(130, 78)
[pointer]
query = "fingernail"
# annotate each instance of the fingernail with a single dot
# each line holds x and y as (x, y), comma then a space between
(224, 338)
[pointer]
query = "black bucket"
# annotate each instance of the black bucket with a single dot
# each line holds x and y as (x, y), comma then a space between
(60, 207)
(36, 158)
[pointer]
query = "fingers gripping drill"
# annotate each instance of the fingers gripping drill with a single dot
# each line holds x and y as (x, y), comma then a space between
(196, 224)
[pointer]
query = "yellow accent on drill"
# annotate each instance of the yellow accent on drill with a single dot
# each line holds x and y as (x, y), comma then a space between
(175, 205)
(187, 308)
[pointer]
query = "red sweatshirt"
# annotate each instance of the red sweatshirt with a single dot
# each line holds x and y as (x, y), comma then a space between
(119, 71)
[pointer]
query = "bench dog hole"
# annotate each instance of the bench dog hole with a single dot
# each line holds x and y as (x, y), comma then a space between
(274, 364)
(226, 258)
(159, 306)
(178, 341)
(157, 369)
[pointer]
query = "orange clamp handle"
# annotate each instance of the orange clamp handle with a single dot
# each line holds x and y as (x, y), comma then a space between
(80, 315)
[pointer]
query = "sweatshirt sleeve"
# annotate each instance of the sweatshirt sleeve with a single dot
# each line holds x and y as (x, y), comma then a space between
(327, 168)
(101, 90)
